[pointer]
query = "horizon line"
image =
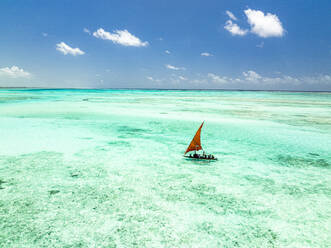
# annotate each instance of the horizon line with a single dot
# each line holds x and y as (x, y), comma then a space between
(165, 89)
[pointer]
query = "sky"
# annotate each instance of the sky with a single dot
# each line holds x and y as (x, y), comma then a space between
(249, 45)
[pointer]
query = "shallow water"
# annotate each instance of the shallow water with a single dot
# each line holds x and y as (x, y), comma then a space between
(104, 168)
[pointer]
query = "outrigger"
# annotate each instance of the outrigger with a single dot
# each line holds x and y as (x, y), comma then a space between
(195, 146)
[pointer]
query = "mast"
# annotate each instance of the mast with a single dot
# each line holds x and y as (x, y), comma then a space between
(195, 144)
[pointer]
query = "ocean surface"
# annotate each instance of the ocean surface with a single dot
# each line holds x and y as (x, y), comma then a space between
(105, 168)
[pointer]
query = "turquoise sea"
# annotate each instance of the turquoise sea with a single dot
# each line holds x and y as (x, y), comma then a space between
(105, 168)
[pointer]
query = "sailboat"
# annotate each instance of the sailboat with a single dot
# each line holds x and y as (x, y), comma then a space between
(195, 146)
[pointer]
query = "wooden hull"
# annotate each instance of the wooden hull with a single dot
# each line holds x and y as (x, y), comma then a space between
(201, 158)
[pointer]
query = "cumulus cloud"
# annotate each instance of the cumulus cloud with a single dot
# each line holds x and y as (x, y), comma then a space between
(167, 51)
(263, 25)
(122, 37)
(217, 79)
(251, 76)
(251, 80)
(172, 67)
(281, 80)
(231, 15)
(206, 54)
(14, 72)
(234, 29)
(323, 78)
(65, 49)
(254, 77)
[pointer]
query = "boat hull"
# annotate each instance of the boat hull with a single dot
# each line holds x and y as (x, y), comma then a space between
(200, 158)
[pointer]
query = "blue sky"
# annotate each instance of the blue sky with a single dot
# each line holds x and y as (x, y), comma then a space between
(166, 44)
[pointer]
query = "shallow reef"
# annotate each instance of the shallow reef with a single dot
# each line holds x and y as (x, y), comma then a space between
(109, 171)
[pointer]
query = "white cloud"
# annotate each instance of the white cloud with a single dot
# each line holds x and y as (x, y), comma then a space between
(122, 37)
(234, 29)
(254, 77)
(231, 15)
(251, 76)
(87, 31)
(319, 79)
(153, 79)
(250, 80)
(206, 54)
(65, 49)
(217, 79)
(14, 72)
(263, 25)
(171, 67)
(167, 51)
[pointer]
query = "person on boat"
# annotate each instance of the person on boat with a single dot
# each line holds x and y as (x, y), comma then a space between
(195, 146)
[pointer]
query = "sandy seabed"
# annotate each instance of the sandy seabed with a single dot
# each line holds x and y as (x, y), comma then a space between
(105, 168)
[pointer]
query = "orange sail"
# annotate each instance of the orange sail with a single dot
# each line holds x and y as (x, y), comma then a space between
(195, 144)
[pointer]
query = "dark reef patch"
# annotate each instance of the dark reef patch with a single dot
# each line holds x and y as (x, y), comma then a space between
(125, 131)
(2, 182)
(261, 234)
(119, 143)
(300, 162)
(155, 123)
(53, 191)
(75, 173)
(131, 130)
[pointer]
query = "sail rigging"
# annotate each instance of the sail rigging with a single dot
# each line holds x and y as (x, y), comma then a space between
(195, 144)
